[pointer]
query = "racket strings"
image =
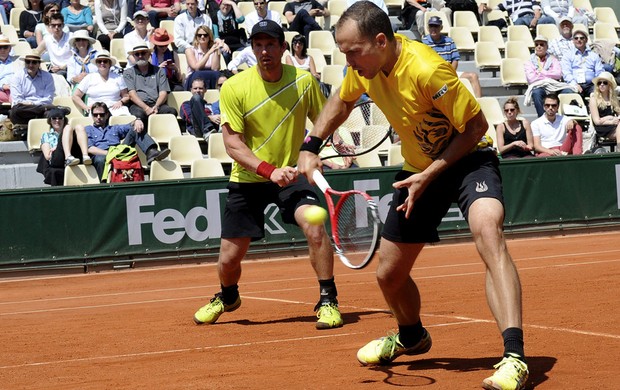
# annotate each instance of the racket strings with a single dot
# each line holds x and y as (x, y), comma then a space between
(356, 227)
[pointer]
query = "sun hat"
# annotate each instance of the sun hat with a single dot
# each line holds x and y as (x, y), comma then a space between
(540, 38)
(32, 56)
(565, 19)
(160, 37)
(140, 47)
(80, 34)
(4, 41)
(582, 31)
(607, 77)
(140, 13)
(105, 55)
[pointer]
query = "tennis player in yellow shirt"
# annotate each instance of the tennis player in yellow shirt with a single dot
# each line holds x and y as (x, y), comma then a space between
(447, 159)
(263, 119)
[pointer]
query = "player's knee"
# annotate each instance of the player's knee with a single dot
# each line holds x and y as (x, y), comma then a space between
(315, 234)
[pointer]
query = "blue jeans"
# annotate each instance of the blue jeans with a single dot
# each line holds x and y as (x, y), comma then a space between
(142, 141)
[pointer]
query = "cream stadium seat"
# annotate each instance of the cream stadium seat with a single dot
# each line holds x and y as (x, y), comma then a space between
(162, 127)
(184, 149)
(207, 167)
(79, 175)
(165, 170)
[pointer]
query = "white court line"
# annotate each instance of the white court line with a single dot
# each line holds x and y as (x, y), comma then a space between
(172, 351)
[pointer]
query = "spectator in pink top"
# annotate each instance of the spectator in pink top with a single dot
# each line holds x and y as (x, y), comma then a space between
(544, 72)
(159, 10)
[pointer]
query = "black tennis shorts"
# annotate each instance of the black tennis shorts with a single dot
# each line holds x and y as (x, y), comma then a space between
(244, 214)
(475, 176)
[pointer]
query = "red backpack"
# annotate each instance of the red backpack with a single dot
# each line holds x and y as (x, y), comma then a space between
(124, 171)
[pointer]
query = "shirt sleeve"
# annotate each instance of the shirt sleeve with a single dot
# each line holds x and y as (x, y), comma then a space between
(231, 105)
(84, 84)
(162, 81)
(129, 76)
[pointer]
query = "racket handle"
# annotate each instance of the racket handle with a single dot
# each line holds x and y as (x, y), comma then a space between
(320, 181)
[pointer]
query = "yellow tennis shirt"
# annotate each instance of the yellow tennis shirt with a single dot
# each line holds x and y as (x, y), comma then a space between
(271, 116)
(422, 98)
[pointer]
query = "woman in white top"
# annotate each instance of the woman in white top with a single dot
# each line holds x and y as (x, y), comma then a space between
(82, 62)
(300, 58)
(103, 86)
(203, 58)
(111, 19)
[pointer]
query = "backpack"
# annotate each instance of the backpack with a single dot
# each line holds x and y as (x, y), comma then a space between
(124, 164)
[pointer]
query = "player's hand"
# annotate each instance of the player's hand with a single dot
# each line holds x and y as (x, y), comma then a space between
(416, 184)
(307, 163)
(284, 176)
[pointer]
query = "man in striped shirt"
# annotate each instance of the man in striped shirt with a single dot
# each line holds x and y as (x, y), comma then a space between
(523, 12)
(446, 48)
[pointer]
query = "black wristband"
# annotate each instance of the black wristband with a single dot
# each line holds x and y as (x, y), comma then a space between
(312, 144)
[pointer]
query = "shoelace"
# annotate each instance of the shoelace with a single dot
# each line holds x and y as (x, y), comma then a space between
(390, 344)
(325, 310)
(509, 368)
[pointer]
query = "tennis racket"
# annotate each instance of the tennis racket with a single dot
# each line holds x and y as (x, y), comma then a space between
(355, 222)
(365, 130)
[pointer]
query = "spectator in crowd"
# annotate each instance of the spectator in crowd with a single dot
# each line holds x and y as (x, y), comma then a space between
(446, 48)
(413, 13)
(111, 18)
(581, 65)
(245, 56)
(148, 86)
(522, 12)
(564, 44)
(57, 46)
(544, 74)
(558, 9)
(42, 29)
(262, 13)
(32, 92)
(514, 136)
(133, 6)
(203, 58)
(5, 6)
(610, 56)
(103, 86)
(6, 68)
(159, 10)
(82, 62)
(300, 16)
(186, 23)
(605, 108)
(229, 17)
(139, 36)
(59, 145)
(101, 136)
(166, 59)
(28, 21)
(215, 106)
(300, 58)
(555, 134)
(198, 114)
(78, 17)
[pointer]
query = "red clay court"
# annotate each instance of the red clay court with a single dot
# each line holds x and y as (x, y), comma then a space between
(133, 329)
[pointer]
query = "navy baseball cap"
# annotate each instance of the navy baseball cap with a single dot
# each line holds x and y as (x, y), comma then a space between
(268, 27)
(435, 21)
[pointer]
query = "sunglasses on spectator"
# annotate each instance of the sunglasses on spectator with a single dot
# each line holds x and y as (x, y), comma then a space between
(103, 61)
(259, 3)
(57, 119)
(98, 114)
(510, 109)
(202, 35)
(4, 47)
(32, 62)
(551, 105)
(140, 53)
(81, 40)
(602, 83)
(140, 19)
(542, 44)
(56, 25)
(579, 38)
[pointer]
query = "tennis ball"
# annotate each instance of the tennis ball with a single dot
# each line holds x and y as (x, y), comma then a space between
(315, 215)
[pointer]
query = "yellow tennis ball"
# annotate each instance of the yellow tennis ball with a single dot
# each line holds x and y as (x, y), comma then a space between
(315, 215)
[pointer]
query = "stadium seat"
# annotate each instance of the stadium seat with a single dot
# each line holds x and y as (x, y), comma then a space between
(338, 58)
(368, 160)
(515, 49)
(605, 32)
(487, 57)
(520, 34)
(568, 98)
(66, 101)
(463, 40)
(84, 121)
(583, 4)
(278, 6)
(10, 32)
(162, 127)
(22, 48)
(606, 15)
(177, 98)
(165, 170)
(322, 40)
(183, 64)
(246, 7)
(212, 95)
(466, 19)
(206, 167)
(491, 109)
(288, 37)
(117, 50)
(491, 132)
(79, 175)
(496, 14)
(512, 73)
(319, 59)
(121, 119)
(36, 128)
(332, 75)
(395, 157)
(491, 34)
(549, 31)
(217, 150)
(184, 149)
(14, 18)
(336, 7)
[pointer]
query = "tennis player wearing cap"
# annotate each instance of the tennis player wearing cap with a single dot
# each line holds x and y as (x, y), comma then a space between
(264, 111)
(447, 159)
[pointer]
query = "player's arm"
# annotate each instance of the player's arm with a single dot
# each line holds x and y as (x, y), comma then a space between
(334, 113)
(238, 150)
(459, 146)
